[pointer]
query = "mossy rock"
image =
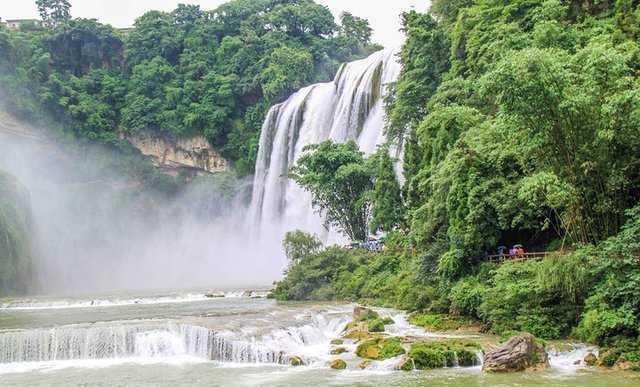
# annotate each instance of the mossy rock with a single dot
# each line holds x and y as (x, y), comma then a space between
(438, 322)
(388, 321)
(435, 355)
(364, 364)
(380, 349)
(338, 364)
(357, 331)
(376, 325)
(339, 350)
(297, 361)
(406, 364)
(590, 359)
(337, 342)
(361, 313)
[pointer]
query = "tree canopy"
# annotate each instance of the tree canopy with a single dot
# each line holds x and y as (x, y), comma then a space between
(179, 73)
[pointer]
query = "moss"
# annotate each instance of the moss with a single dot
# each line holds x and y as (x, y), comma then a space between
(438, 322)
(376, 325)
(435, 355)
(370, 315)
(380, 349)
(388, 321)
(338, 364)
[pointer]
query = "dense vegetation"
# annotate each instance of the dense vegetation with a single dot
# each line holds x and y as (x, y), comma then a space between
(16, 266)
(520, 122)
(174, 74)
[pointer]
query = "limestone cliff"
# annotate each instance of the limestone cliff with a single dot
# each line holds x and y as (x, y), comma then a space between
(194, 152)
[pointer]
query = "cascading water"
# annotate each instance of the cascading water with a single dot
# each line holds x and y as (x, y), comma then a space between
(349, 108)
(165, 340)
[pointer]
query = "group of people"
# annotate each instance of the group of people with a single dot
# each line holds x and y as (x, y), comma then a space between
(372, 245)
(515, 251)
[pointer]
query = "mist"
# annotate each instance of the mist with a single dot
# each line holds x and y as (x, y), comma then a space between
(95, 230)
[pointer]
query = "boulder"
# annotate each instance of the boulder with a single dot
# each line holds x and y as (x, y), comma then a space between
(360, 313)
(406, 364)
(364, 364)
(357, 331)
(626, 366)
(590, 359)
(297, 361)
(339, 350)
(380, 349)
(338, 364)
(520, 353)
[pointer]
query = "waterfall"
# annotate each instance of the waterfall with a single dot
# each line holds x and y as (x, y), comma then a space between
(349, 108)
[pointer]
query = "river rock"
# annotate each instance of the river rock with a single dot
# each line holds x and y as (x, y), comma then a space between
(339, 350)
(520, 353)
(406, 364)
(337, 342)
(626, 366)
(590, 359)
(357, 331)
(361, 313)
(364, 364)
(338, 364)
(297, 361)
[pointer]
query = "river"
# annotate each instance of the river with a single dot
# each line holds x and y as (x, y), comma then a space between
(227, 338)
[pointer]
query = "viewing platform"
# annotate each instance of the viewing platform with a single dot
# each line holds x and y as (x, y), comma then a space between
(498, 258)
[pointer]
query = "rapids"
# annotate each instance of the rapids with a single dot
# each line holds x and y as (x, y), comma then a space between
(207, 340)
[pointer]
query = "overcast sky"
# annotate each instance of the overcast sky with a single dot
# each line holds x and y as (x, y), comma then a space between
(383, 15)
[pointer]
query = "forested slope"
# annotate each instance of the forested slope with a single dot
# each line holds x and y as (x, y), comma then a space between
(521, 125)
(180, 73)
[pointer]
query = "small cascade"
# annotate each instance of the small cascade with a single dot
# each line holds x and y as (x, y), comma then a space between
(456, 363)
(166, 340)
(349, 108)
(571, 358)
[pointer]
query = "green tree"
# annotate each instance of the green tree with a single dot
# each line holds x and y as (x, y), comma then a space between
(55, 12)
(340, 184)
(355, 27)
(387, 212)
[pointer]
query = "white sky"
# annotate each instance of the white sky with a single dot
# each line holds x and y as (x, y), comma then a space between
(383, 15)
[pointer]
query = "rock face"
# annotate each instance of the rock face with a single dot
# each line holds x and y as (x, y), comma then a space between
(195, 153)
(16, 266)
(520, 353)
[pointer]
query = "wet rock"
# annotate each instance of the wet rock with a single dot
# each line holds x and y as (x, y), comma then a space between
(360, 313)
(357, 331)
(520, 353)
(339, 350)
(624, 366)
(406, 364)
(380, 349)
(297, 361)
(577, 362)
(608, 359)
(337, 342)
(443, 354)
(338, 364)
(364, 364)
(590, 359)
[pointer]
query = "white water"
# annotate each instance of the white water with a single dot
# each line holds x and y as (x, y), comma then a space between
(349, 108)
(149, 341)
(122, 301)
